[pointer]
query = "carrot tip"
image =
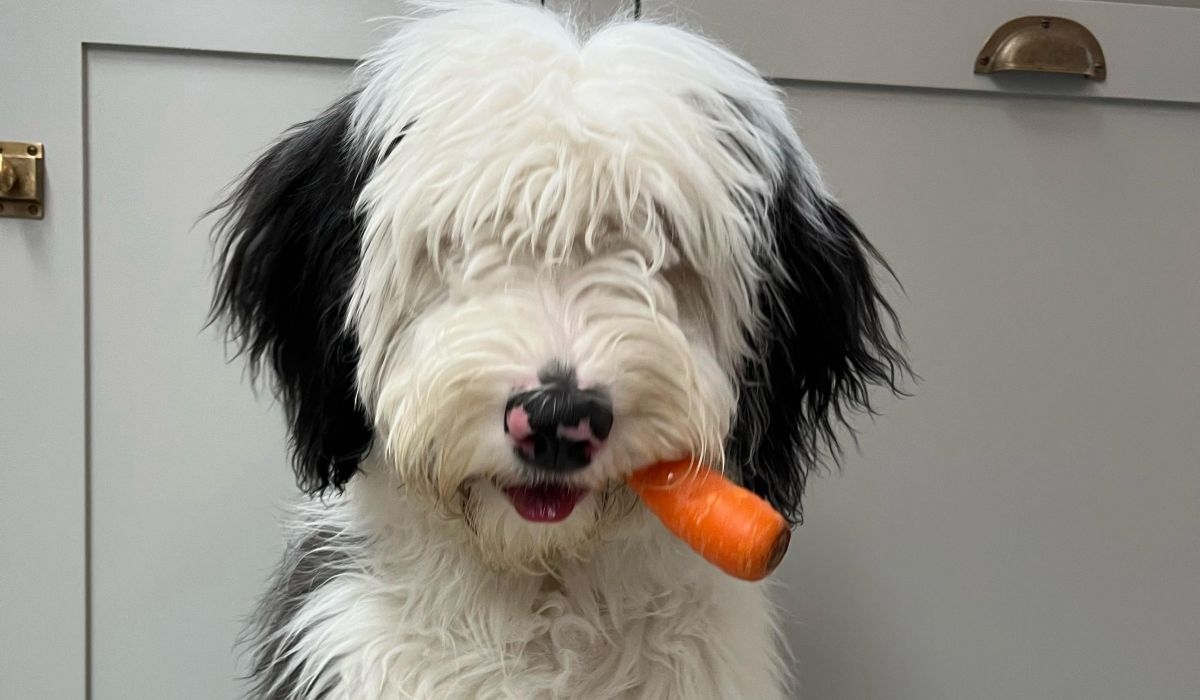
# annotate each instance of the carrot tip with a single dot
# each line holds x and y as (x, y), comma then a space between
(778, 550)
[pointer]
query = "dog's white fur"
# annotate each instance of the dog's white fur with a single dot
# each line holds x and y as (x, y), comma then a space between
(532, 196)
(519, 222)
(420, 615)
(514, 225)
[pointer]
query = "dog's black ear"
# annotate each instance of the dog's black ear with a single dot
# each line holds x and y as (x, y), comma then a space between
(287, 249)
(826, 337)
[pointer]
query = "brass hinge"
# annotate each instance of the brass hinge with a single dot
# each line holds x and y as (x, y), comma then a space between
(21, 180)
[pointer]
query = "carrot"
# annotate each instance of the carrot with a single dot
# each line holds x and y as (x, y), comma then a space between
(726, 524)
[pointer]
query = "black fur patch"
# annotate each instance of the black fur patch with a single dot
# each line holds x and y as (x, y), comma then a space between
(311, 562)
(288, 250)
(827, 340)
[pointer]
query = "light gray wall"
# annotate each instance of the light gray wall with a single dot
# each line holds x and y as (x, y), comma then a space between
(1026, 524)
(189, 471)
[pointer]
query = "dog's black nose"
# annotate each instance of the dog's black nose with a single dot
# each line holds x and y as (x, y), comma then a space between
(557, 426)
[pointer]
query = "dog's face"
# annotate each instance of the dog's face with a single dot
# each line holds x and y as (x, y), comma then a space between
(520, 265)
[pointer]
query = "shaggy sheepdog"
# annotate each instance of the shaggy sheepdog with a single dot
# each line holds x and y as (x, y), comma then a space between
(515, 263)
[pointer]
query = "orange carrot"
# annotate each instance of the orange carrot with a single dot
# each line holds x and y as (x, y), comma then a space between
(726, 524)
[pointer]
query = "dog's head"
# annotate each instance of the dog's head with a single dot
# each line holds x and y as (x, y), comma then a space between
(518, 264)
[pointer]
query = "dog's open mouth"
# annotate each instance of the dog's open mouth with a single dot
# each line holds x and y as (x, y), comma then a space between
(544, 503)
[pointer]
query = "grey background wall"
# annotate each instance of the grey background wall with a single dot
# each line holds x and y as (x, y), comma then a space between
(1024, 526)
(190, 475)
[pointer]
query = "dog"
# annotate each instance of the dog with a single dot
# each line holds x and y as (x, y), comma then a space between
(515, 263)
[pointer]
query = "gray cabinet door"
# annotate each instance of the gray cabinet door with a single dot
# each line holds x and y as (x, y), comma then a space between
(1024, 526)
(1027, 524)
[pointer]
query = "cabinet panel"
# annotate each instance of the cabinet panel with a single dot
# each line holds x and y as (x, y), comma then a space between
(189, 472)
(1024, 526)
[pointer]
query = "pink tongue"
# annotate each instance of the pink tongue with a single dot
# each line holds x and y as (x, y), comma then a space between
(544, 504)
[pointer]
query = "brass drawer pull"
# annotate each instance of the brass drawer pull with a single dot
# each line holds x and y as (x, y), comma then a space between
(1045, 45)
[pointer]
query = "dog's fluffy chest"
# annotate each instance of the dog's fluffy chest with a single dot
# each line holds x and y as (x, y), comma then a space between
(414, 614)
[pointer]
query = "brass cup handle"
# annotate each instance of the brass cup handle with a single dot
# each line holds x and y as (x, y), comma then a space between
(1043, 45)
